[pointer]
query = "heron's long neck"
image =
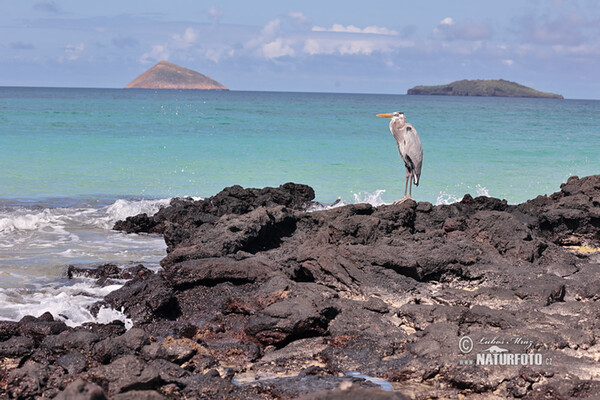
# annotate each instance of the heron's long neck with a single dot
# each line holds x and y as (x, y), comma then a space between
(397, 123)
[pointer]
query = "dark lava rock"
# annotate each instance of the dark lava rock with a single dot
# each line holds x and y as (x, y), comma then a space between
(354, 394)
(131, 341)
(105, 274)
(259, 299)
(144, 298)
(39, 328)
(8, 329)
(16, 346)
(305, 315)
(81, 390)
(186, 213)
(73, 362)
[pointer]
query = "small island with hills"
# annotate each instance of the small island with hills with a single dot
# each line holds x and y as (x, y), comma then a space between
(489, 88)
(166, 75)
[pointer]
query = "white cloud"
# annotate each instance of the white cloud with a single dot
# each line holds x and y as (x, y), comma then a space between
(277, 48)
(216, 55)
(272, 28)
(72, 52)
(316, 46)
(269, 44)
(447, 21)
(214, 13)
(298, 17)
(508, 62)
(377, 30)
(159, 52)
(187, 39)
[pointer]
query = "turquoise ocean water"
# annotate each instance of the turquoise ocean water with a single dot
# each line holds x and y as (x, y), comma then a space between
(73, 161)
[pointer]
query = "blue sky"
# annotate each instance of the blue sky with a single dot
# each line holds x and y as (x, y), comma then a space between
(320, 46)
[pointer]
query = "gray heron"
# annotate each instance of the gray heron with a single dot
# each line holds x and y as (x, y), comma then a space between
(409, 146)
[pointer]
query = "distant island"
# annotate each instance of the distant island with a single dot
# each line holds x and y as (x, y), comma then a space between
(166, 75)
(492, 87)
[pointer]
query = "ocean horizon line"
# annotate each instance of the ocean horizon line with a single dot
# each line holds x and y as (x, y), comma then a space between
(266, 91)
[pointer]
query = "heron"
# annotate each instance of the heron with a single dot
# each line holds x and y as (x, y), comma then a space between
(409, 147)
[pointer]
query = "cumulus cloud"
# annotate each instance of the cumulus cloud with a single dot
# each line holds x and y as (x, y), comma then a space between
(72, 52)
(216, 55)
(277, 48)
(377, 30)
(157, 53)
(448, 29)
(215, 14)
(298, 17)
(188, 37)
(344, 46)
(270, 44)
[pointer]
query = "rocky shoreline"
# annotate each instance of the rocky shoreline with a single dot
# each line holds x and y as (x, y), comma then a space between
(260, 299)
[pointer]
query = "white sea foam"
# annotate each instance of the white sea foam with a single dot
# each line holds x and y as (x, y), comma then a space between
(445, 198)
(30, 221)
(481, 191)
(66, 302)
(122, 209)
(373, 199)
(36, 244)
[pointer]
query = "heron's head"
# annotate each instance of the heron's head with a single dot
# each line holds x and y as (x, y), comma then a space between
(395, 115)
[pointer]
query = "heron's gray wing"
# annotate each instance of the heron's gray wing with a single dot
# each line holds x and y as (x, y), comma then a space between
(413, 151)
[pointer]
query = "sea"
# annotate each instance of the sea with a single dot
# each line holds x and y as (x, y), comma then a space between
(74, 161)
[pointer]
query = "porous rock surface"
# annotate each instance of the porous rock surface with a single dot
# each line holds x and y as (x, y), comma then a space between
(260, 299)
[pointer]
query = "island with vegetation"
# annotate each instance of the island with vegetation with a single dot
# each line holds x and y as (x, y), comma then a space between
(166, 75)
(492, 87)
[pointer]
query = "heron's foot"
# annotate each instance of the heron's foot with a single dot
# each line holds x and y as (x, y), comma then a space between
(402, 200)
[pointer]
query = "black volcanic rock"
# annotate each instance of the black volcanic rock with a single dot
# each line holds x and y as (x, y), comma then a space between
(259, 299)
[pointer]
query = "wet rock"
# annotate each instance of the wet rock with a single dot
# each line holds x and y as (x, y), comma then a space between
(105, 274)
(93, 271)
(145, 298)
(8, 329)
(187, 213)
(39, 328)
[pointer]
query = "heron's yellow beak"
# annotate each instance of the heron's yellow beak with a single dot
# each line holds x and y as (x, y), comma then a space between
(385, 115)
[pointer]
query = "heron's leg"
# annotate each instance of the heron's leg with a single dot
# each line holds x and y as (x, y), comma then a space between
(410, 187)
(405, 189)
